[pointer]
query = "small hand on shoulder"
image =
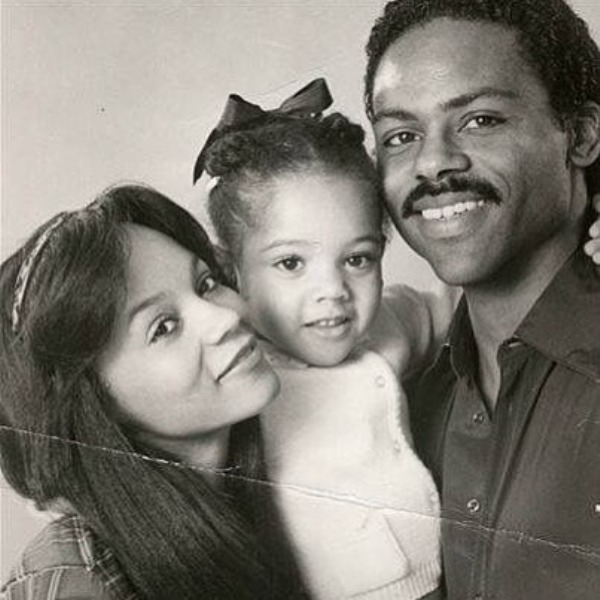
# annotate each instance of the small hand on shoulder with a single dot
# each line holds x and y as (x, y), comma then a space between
(592, 246)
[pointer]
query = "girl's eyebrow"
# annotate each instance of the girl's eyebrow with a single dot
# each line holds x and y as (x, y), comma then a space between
(375, 239)
(279, 243)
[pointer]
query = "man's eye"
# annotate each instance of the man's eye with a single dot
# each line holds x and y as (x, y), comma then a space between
(401, 139)
(483, 122)
(206, 284)
(290, 263)
(164, 327)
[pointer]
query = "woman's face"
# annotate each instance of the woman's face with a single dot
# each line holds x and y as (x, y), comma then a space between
(179, 364)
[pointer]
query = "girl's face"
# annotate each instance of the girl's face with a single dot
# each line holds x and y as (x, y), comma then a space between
(310, 271)
(179, 364)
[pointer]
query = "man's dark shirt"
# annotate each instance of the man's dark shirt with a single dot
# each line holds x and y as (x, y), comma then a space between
(521, 486)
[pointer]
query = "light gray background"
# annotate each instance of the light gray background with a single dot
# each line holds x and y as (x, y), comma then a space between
(99, 92)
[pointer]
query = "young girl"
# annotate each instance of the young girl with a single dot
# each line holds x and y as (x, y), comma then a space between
(121, 361)
(295, 201)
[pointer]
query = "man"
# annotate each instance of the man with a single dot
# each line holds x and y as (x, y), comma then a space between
(486, 116)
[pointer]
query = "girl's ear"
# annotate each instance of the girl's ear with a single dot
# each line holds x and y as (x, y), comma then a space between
(238, 279)
(585, 135)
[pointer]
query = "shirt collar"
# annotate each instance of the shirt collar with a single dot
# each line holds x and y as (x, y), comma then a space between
(460, 347)
(564, 323)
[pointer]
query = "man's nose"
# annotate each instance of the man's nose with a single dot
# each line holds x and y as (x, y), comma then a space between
(440, 155)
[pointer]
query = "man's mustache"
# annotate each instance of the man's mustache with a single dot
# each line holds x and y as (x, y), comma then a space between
(453, 183)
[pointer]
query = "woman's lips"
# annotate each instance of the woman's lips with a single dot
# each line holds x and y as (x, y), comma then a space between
(240, 356)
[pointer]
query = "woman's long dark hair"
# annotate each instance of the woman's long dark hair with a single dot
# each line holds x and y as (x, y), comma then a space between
(174, 535)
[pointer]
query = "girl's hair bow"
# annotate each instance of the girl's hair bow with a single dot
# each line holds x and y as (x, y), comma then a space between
(239, 114)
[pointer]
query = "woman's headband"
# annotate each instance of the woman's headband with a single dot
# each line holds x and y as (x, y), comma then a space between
(239, 115)
(27, 266)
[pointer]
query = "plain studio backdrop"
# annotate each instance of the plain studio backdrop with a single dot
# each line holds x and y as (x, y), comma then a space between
(94, 93)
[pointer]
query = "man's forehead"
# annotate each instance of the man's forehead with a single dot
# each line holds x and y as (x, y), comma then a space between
(447, 58)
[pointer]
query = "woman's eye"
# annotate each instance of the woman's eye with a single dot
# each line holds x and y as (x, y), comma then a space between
(164, 327)
(401, 139)
(290, 263)
(483, 122)
(206, 284)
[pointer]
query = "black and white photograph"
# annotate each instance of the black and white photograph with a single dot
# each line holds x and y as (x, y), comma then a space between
(300, 300)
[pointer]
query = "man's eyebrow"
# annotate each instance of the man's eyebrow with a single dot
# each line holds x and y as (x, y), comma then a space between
(393, 113)
(484, 92)
(454, 103)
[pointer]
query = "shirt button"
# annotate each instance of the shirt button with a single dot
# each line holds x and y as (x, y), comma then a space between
(380, 381)
(478, 418)
(473, 505)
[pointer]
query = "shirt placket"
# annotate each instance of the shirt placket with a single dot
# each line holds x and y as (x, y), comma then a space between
(512, 355)
(475, 454)
(464, 487)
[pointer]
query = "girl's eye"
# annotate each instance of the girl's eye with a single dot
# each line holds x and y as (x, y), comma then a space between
(402, 138)
(360, 261)
(206, 284)
(290, 263)
(483, 122)
(163, 328)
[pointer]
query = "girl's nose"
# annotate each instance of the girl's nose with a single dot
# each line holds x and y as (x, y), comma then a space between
(331, 286)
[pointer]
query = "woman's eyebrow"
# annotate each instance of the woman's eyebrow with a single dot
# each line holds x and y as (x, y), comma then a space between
(144, 304)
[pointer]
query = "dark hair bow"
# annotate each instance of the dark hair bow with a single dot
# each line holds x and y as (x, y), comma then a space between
(239, 114)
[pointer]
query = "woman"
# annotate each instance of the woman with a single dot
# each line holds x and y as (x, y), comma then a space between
(122, 363)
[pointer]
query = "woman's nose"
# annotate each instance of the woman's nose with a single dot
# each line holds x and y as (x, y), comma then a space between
(440, 155)
(216, 321)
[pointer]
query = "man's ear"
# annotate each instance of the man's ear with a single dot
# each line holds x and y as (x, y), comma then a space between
(585, 135)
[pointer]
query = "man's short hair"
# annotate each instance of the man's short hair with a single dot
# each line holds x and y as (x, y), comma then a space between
(555, 42)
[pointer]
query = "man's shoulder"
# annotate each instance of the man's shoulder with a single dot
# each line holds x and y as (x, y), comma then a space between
(564, 323)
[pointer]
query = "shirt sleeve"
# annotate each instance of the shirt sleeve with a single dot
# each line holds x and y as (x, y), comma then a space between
(412, 325)
(60, 583)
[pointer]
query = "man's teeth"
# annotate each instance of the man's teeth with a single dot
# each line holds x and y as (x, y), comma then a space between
(436, 214)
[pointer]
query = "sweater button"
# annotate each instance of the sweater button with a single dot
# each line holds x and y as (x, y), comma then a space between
(380, 381)
(473, 505)
(478, 418)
